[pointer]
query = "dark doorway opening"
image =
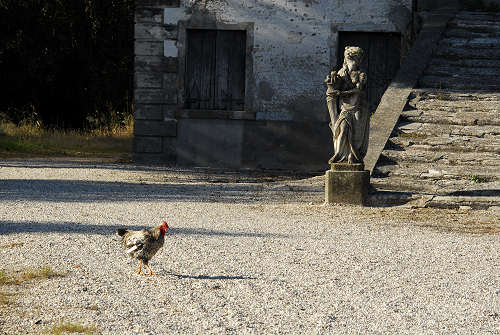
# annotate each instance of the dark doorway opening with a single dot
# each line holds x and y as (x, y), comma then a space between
(381, 62)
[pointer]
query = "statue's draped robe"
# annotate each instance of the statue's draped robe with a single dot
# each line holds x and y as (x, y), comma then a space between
(349, 117)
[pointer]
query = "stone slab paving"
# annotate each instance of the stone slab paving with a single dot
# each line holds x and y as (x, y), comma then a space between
(246, 254)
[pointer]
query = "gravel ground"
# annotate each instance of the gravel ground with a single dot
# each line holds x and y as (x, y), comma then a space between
(245, 254)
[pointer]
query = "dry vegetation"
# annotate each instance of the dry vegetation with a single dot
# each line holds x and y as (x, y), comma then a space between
(11, 245)
(29, 275)
(30, 139)
(68, 327)
(45, 272)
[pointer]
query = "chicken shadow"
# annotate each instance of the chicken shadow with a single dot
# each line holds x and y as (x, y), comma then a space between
(206, 277)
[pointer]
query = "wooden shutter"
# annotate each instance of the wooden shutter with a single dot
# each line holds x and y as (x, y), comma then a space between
(215, 70)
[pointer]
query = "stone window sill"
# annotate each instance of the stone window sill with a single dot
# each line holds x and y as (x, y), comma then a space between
(214, 114)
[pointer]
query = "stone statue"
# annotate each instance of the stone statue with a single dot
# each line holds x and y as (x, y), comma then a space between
(348, 110)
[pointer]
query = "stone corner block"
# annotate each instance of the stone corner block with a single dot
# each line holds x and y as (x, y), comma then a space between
(172, 16)
(170, 48)
(347, 187)
(149, 144)
(164, 128)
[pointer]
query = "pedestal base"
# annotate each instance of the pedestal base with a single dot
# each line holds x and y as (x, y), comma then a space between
(347, 184)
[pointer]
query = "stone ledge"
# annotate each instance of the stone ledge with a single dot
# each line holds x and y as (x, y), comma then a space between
(148, 80)
(147, 144)
(156, 64)
(155, 128)
(347, 167)
(154, 96)
(149, 15)
(157, 3)
(153, 32)
(154, 158)
(214, 114)
(148, 112)
(148, 48)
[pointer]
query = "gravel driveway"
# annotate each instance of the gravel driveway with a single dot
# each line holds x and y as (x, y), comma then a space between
(245, 254)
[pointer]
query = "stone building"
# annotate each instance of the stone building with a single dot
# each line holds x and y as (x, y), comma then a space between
(239, 83)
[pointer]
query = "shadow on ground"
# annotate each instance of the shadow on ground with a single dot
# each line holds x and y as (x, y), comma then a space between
(206, 277)
(10, 227)
(92, 191)
(201, 173)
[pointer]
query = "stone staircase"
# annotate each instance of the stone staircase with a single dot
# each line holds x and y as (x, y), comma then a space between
(445, 149)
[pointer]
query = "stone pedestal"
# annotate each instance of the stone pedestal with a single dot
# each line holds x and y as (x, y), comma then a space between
(347, 184)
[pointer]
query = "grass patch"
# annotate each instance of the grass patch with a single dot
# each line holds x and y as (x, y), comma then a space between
(4, 279)
(412, 136)
(479, 179)
(69, 327)
(31, 139)
(11, 245)
(44, 272)
(5, 298)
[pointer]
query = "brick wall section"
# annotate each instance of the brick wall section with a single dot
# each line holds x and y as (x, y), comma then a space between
(155, 83)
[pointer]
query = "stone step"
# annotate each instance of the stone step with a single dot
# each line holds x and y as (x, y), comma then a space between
(475, 43)
(478, 16)
(446, 143)
(437, 186)
(456, 53)
(460, 33)
(452, 96)
(474, 173)
(402, 184)
(445, 150)
(475, 26)
(466, 63)
(456, 201)
(422, 200)
(449, 103)
(459, 83)
(468, 185)
(400, 150)
(422, 130)
(481, 73)
(453, 116)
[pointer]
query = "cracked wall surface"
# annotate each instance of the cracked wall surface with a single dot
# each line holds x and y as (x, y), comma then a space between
(293, 47)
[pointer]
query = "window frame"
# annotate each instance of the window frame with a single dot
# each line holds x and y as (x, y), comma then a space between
(184, 113)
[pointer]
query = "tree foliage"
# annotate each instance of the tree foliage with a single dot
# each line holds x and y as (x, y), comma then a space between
(66, 61)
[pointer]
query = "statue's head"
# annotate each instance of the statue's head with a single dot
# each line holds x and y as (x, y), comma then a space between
(353, 57)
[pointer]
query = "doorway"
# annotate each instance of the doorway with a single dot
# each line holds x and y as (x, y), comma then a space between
(381, 62)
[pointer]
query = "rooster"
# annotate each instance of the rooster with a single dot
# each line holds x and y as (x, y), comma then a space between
(143, 244)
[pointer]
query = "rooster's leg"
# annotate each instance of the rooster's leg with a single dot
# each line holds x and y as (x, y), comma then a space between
(140, 267)
(151, 273)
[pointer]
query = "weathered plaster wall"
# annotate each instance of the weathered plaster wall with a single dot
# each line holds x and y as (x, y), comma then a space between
(294, 45)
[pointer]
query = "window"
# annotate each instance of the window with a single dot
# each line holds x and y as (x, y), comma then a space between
(215, 70)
